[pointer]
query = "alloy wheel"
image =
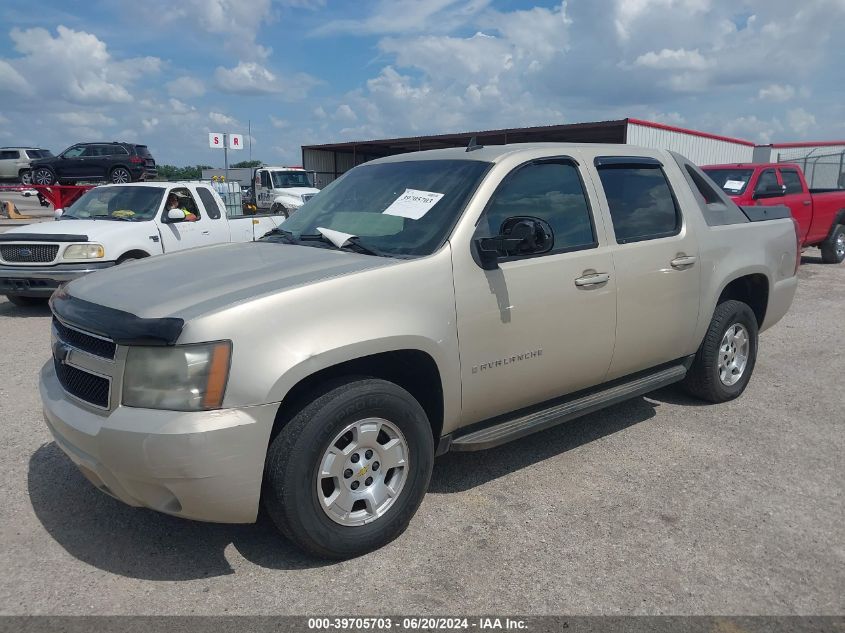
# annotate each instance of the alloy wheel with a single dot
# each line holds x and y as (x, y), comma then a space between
(733, 354)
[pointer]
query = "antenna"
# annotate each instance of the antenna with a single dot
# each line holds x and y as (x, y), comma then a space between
(473, 145)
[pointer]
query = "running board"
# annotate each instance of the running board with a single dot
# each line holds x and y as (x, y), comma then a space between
(512, 428)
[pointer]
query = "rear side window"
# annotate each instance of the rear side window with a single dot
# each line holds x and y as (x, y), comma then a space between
(641, 202)
(9, 154)
(210, 204)
(791, 181)
(551, 191)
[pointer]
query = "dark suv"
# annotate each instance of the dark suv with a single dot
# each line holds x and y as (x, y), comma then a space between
(114, 162)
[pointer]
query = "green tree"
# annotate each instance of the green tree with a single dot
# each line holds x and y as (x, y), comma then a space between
(172, 172)
(248, 163)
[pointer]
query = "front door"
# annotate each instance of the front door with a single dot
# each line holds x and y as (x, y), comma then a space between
(539, 326)
(72, 163)
(656, 263)
(177, 236)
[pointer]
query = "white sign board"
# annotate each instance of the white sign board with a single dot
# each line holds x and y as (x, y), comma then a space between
(215, 139)
(236, 141)
(413, 204)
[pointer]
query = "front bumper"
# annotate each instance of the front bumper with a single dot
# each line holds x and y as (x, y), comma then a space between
(198, 465)
(41, 281)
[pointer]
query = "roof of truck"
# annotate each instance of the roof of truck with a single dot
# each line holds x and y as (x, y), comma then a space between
(494, 153)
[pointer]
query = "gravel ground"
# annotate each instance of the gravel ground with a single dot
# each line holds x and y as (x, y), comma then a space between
(660, 505)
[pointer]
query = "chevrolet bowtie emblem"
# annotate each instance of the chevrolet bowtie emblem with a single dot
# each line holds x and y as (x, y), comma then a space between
(363, 471)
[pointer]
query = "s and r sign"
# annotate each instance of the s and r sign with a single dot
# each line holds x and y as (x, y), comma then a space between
(215, 139)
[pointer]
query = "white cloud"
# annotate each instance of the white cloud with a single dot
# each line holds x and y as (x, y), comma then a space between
(629, 12)
(218, 118)
(776, 92)
(279, 123)
(408, 16)
(186, 87)
(800, 121)
(345, 113)
(73, 66)
(251, 78)
(679, 59)
(179, 107)
(85, 118)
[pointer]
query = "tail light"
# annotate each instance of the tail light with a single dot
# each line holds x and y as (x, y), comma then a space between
(797, 228)
(137, 160)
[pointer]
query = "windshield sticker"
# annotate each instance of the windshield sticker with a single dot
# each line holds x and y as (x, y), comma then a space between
(736, 185)
(413, 204)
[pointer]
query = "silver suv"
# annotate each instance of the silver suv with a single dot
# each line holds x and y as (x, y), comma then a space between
(15, 161)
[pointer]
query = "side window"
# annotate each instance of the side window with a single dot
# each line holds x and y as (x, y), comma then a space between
(74, 152)
(186, 201)
(265, 179)
(767, 180)
(551, 191)
(706, 189)
(115, 150)
(91, 151)
(791, 180)
(9, 154)
(641, 203)
(209, 203)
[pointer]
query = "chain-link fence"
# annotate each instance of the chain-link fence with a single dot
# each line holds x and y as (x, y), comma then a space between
(822, 170)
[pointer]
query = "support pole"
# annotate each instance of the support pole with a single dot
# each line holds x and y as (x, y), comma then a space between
(226, 156)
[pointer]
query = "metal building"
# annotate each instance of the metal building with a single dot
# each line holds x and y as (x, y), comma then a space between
(331, 160)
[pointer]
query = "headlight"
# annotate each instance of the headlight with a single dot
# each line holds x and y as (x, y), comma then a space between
(180, 378)
(84, 251)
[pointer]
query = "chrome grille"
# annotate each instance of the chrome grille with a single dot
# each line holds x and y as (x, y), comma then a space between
(86, 342)
(83, 385)
(29, 253)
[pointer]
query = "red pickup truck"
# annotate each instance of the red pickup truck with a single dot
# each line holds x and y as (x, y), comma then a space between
(820, 213)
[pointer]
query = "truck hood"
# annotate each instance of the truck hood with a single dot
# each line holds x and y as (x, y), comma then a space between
(198, 281)
(96, 230)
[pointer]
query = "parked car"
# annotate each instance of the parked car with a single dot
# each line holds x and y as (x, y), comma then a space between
(423, 303)
(15, 162)
(112, 162)
(26, 193)
(820, 213)
(114, 224)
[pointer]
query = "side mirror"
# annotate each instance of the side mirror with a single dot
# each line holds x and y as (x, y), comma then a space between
(772, 191)
(519, 235)
(176, 215)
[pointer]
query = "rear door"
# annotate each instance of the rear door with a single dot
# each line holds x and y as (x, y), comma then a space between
(797, 199)
(655, 259)
(9, 163)
(213, 225)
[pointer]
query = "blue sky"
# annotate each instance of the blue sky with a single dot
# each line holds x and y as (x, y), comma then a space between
(318, 71)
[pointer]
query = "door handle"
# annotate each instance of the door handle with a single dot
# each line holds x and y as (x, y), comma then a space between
(592, 279)
(683, 261)
(205, 232)
(806, 203)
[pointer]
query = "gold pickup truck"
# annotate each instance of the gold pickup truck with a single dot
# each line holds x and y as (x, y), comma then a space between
(445, 300)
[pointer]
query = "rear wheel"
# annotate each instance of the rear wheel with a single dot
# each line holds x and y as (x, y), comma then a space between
(725, 360)
(25, 176)
(348, 472)
(26, 302)
(44, 176)
(833, 248)
(120, 175)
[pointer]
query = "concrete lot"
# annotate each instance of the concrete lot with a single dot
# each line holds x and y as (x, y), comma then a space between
(661, 505)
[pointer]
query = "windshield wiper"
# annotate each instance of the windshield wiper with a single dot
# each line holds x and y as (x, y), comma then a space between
(342, 241)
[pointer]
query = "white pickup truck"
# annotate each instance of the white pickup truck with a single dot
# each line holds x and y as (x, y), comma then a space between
(281, 190)
(114, 224)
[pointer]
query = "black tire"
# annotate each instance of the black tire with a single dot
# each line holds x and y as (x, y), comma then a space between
(295, 455)
(26, 302)
(44, 176)
(279, 209)
(703, 379)
(25, 177)
(120, 175)
(123, 260)
(833, 248)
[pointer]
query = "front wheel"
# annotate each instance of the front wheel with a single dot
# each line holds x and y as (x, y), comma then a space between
(279, 209)
(727, 355)
(44, 176)
(347, 473)
(120, 175)
(833, 248)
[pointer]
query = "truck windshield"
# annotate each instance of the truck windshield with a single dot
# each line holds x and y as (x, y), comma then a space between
(404, 208)
(285, 179)
(130, 204)
(732, 181)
